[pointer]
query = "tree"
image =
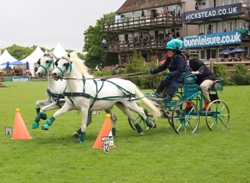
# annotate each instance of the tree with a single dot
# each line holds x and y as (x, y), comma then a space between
(19, 52)
(93, 45)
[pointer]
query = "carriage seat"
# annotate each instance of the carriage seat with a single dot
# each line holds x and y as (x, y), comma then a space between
(190, 86)
(190, 80)
(218, 85)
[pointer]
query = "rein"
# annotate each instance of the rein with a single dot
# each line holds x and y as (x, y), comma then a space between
(126, 94)
(121, 76)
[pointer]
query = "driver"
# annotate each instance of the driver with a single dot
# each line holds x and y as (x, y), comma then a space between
(177, 70)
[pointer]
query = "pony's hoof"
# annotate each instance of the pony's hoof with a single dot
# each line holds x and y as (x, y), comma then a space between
(45, 127)
(76, 135)
(35, 125)
(44, 116)
(154, 125)
(141, 134)
(79, 141)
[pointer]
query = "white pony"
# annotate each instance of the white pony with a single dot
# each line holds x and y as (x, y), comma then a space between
(87, 93)
(54, 93)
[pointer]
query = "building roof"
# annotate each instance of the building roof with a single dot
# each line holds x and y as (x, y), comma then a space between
(134, 5)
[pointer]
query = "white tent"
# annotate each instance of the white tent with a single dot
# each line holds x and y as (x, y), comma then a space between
(33, 58)
(59, 51)
(6, 57)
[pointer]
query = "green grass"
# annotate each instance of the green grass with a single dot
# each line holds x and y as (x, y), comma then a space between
(160, 156)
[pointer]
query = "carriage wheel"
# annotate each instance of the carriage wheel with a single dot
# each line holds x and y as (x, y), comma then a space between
(140, 120)
(218, 116)
(185, 121)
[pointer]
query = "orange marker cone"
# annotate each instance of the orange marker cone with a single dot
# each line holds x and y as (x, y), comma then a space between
(105, 134)
(20, 131)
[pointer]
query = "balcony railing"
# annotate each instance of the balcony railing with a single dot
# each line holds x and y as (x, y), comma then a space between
(139, 23)
(130, 46)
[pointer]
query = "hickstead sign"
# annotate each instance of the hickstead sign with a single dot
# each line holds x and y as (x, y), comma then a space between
(212, 13)
(217, 39)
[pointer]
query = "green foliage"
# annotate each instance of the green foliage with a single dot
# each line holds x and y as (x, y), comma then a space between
(93, 46)
(137, 64)
(220, 72)
(102, 73)
(20, 52)
(241, 75)
(81, 56)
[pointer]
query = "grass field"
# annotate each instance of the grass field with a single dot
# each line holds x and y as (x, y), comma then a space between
(161, 156)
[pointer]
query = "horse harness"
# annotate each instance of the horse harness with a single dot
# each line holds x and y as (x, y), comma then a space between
(126, 93)
(56, 97)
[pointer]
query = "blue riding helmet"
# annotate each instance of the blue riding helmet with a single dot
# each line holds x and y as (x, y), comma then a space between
(174, 44)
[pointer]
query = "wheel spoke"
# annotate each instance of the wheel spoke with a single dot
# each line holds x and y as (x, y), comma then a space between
(218, 116)
(186, 120)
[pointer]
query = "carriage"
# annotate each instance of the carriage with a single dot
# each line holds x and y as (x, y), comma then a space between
(186, 120)
(85, 93)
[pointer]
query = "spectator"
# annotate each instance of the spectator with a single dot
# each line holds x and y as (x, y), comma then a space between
(209, 31)
(104, 43)
(117, 41)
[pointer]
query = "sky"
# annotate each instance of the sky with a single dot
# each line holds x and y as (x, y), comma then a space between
(48, 22)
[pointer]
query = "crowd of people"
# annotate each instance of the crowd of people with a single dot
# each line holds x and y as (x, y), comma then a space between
(15, 71)
(144, 39)
(234, 57)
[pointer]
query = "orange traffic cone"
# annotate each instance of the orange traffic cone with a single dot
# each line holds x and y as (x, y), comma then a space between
(105, 134)
(20, 131)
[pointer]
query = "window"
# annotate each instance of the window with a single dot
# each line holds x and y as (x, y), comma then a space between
(239, 24)
(230, 26)
(218, 2)
(128, 16)
(137, 14)
(219, 27)
(202, 56)
(202, 29)
(231, 1)
(213, 53)
(210, 28)
(227, 2)
(121, 37)
(130, 37)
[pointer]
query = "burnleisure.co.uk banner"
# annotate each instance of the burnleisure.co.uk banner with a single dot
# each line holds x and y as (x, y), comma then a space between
(217, 39)
(17, 79)
(212, 13)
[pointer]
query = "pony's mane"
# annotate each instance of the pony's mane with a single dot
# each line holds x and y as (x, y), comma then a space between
(80, 65)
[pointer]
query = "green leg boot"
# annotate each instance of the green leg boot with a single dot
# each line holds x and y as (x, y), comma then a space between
(138, 128)
(149, 123)
(37, 110)
(82, 138)
(48, 123)
(35, 124)
(113, 131)
(43, 115)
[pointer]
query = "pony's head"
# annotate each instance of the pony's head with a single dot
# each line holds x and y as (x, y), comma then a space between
(73, 57)
(65, 64)
(46, 64)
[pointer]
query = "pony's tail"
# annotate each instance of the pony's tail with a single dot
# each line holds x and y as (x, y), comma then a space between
(155, 111)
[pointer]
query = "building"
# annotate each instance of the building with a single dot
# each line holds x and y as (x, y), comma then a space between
(223, 24)
(146, 26)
